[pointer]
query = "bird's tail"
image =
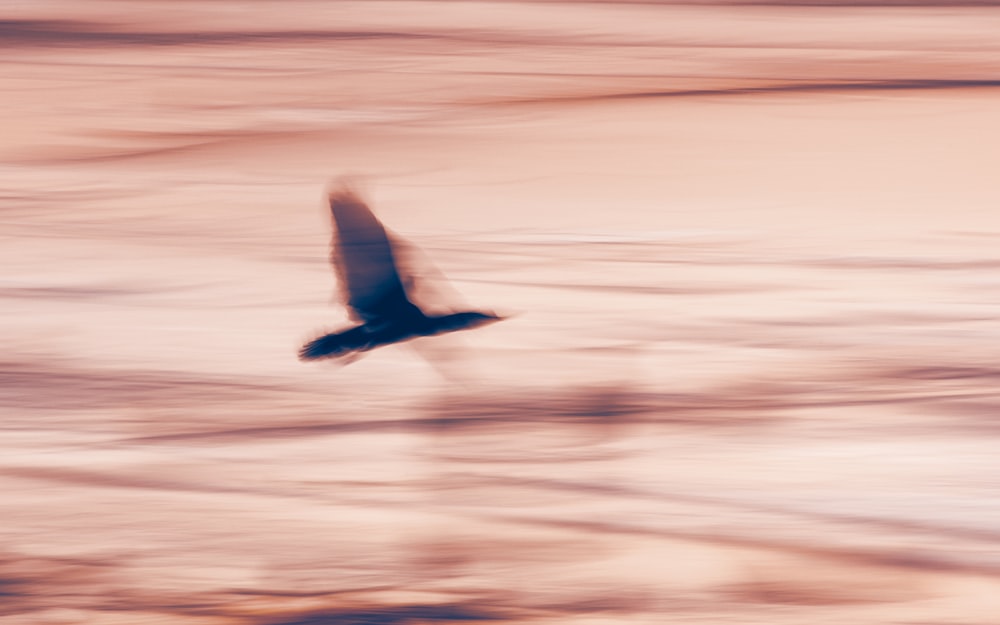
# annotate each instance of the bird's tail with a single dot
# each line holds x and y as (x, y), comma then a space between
(333, 345)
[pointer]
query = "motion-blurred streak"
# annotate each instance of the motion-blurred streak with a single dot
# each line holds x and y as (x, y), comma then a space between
(904, 558)
(83, 33)
(33, 383)
(584, 404)
(304, 430)
(398, 615)
(888, 262)
(860, 320)
(107, 154)
(804, 86)
(945, 373)
(643, 289)
(145, 484)
(69, 293)
(738, 403)
(34, 583)
(734, 405)
(83, 477)
(80, 33)
(723, 504)
(272, 432)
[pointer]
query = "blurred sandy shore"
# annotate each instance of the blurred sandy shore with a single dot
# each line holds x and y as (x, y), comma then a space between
(751, 252)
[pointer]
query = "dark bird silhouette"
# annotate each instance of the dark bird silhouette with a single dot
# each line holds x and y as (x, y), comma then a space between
(364, 257)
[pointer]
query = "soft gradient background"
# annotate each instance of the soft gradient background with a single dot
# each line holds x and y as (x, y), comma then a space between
(751, 250)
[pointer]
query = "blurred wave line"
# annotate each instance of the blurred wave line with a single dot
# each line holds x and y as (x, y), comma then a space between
(79, 33)
(585, 410)
(793, 87)
(40, 383)
(83, 33)
(637, 289)
(735, 502)
(402, 615)
(902, 558)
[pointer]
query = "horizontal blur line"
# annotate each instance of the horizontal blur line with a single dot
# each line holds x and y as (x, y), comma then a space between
(815, 87)
(48, 32)
(27, 33)
(146, 66)
(631, 413)
(347, 427)
(637, 289)
(869, 556)
(636, 493)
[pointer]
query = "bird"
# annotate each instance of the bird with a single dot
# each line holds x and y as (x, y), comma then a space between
(365, 258)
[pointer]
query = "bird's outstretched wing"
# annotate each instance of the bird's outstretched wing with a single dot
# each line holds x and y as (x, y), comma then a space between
(425, 285)
(363, 259)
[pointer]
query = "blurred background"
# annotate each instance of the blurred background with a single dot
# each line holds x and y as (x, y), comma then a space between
(750, 250)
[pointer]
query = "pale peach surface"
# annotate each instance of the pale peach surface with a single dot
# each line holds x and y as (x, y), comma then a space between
(749, 254)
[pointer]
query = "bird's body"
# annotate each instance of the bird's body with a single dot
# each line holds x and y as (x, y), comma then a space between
(367, 268)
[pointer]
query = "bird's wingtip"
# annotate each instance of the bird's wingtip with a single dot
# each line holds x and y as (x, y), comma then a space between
(345, 187)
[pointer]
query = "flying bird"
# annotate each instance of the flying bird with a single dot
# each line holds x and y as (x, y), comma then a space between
(365, 259)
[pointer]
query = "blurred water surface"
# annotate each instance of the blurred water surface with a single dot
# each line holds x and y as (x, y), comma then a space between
(750, 251)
